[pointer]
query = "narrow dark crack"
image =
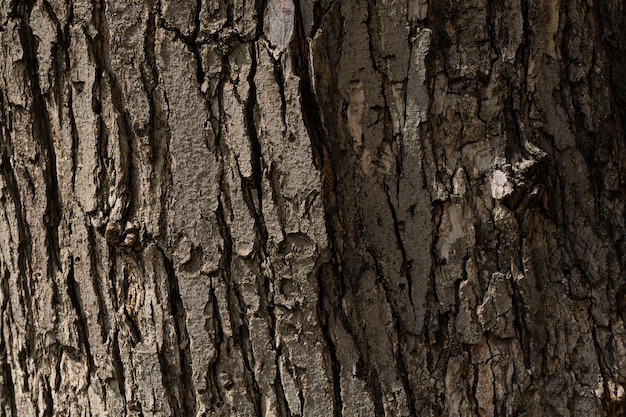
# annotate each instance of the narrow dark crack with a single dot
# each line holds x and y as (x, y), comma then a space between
(403, 371)
(279, 77)
(118, 366)
(211, 377)
(241, 333)
(327, 300)
(24, 237)
(375, 384)
(283, 406)
(60, 57)
(180, 318)
(169, 359)
(103, 314)
(150, 76)
(260, 6)
(520, 309)
(73, 291)
(319, 14)
(47, 397)
(74, 135)
(372, 30)
(257, 162)
(406, 263)
(126, 173)
(611, 407)
(7, 374)
(322, 158)
(42, 133)
(242, 340)
(253, 198)
(376, 391)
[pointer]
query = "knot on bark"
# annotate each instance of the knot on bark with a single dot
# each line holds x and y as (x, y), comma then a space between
(118, 236)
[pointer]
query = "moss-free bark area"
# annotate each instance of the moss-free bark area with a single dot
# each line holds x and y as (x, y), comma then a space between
(312, 208)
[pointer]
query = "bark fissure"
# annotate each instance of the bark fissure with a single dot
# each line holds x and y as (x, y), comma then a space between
(256, 157)
(182, 337)
(81, 323)
(104, 318)
(41, 133)
(406, 263)
(7, 373)
(118, 366)
(237, 310)
(234, 209)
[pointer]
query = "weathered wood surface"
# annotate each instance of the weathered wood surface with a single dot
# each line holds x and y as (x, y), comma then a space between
(312, 208)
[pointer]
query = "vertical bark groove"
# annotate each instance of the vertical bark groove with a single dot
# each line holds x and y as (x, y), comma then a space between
(234, 209)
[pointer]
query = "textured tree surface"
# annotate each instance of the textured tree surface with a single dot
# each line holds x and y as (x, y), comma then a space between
(312, 208)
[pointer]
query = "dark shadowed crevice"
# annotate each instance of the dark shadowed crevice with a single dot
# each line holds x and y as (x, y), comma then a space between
(6, 372)
(283, 406)
(253, 198)
(118, 366)
(376, 391)
(241, 338)
(256, 157)
(267, 303)
(180, 318)
(241, 333)
(164, 137)
(9, 388)
(403, 370)
(47, 397)
(150, 80)
(42, 133)
(103, 315)
(74, 135)
(211, 376)
(252, 190)
(169, 379)
(329, 299)
(613, 405)
(127, 188)
(401, 364)
(406, 263)
(24, 238)
(82, 327)
(279, 77)
(311, 116)
(170, 360)
(260, 6)
(400, 331)
(60, 57)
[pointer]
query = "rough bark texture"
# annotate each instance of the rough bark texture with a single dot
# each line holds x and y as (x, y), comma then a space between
(312, 208)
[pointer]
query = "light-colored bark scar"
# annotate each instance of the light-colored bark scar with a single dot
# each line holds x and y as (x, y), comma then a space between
(417, 9)
(279, 29)
(500, 185)
(552, 28)
(355, 111)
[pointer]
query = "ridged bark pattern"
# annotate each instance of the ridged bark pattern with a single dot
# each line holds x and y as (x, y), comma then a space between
(312, 208)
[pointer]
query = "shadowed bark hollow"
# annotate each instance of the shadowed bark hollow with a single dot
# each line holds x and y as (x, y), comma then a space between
(312, 208)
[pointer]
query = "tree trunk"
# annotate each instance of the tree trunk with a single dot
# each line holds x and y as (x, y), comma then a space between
(312, 208)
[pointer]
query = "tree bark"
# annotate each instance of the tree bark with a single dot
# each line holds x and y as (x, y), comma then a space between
(312, 208)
